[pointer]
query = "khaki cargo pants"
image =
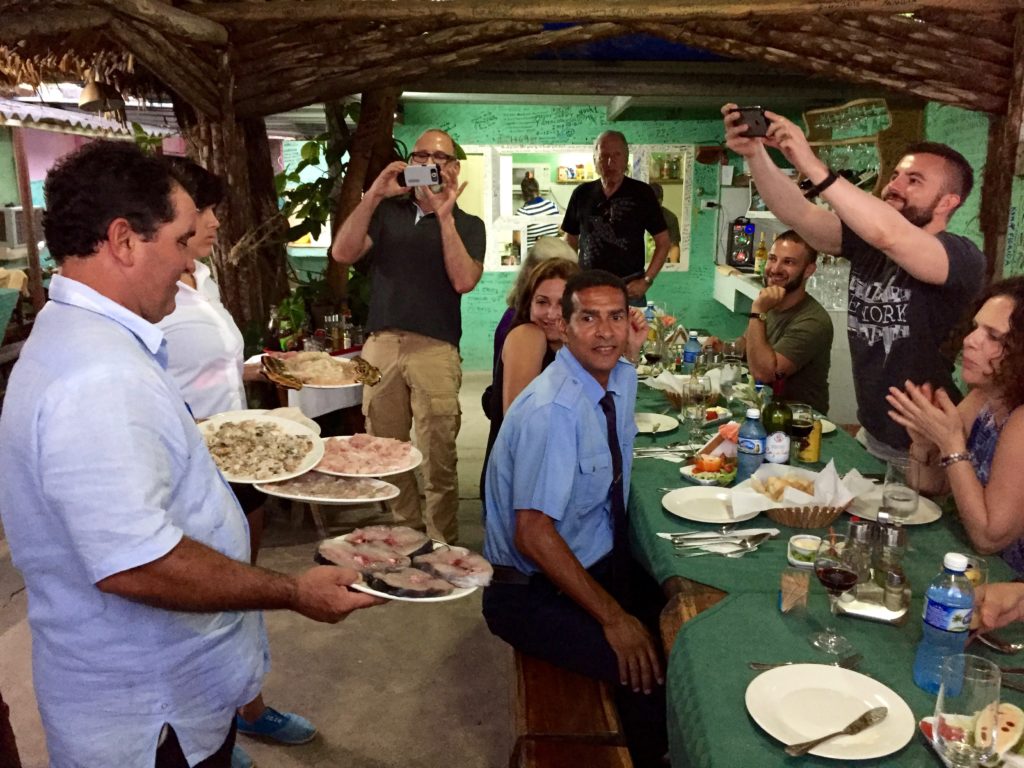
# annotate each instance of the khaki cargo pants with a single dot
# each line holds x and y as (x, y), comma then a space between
(420, 380)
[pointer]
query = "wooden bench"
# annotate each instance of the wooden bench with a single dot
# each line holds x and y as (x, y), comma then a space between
(563, 719)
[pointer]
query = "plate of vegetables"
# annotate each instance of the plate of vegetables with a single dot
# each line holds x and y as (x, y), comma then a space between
(710, 470)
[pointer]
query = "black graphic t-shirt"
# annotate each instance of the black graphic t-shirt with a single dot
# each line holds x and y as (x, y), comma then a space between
(611, 229)
(897, 324)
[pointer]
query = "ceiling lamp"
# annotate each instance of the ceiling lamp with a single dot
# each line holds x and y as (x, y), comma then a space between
(100, 97)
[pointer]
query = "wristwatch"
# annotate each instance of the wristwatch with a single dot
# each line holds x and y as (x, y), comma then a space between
(648, 280)
(757, 316)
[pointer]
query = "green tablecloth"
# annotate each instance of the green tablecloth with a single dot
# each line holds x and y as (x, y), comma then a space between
(8, 301)
(707, 673)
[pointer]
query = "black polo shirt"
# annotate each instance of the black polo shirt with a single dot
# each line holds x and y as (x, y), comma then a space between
(409, 288)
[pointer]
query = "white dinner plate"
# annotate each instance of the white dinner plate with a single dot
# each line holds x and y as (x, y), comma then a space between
(703, 504)
(866, 506)
(389, 492)
(455, 594)
(653, 423)
(803, 701)
(310, 460)
(827, 427)
(415, 458)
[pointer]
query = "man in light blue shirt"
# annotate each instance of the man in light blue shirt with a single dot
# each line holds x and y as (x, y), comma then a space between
(565, 588)
(142, 605)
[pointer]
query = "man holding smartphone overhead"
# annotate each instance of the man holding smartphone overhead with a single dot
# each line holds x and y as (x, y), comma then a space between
(424, 252)
(910, 280)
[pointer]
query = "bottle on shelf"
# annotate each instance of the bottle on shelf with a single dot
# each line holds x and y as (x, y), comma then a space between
(760, 256)
(778, 423)
(690, 352)
(750, 451)
(948, 605)
(273, 334)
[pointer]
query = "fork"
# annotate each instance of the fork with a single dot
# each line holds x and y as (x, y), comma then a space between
(847, 662)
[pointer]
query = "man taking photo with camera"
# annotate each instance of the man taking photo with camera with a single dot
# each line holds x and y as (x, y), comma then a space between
(424, 252)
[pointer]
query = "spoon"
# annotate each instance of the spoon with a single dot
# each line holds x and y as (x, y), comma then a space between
(1002, 646)
(745, 548)
(847, 662)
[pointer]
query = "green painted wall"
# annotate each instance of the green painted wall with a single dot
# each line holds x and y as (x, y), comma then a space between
(966, 132)
(687, 293)
(8, 175)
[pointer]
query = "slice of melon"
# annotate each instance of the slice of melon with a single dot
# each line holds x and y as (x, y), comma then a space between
(1009, 726)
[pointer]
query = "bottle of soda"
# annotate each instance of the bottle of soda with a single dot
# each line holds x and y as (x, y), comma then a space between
(750, 451)
(270, 339)
(651, 315)
(778, 423)
(287, 338)
(948, 605)
(690, 352)
(760, 256)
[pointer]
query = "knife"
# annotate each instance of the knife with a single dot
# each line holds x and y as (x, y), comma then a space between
(755, 540)
(865, 721)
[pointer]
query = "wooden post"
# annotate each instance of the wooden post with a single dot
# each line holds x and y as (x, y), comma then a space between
(250, 260)
(1004, 163)
(35, 274)
(369, 151)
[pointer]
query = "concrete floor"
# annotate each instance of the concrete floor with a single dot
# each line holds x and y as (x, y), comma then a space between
(399, 685)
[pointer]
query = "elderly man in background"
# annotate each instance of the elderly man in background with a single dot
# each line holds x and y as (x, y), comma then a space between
(911, 281)
(424, 252)
(606, 220)
(144, 610)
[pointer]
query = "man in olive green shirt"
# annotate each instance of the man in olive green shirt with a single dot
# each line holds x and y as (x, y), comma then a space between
(788, 340)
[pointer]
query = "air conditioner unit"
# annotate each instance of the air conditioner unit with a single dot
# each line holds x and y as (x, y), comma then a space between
(12, 226)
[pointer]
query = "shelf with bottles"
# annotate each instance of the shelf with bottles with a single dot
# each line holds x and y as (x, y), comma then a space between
(860, 119)
(666, 168)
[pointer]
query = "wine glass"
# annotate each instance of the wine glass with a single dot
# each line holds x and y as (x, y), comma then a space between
(964, 730)
(654, 352)
(836, 572)
(801, 427)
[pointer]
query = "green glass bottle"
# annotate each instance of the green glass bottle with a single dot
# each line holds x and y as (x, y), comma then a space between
(778, 423)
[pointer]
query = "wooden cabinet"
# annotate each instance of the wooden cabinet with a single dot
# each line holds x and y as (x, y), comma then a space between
(864, 139)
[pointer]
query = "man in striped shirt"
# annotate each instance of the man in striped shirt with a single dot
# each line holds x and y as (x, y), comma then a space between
(535, 205)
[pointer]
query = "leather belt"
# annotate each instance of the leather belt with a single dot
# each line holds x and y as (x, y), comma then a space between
(504, 574)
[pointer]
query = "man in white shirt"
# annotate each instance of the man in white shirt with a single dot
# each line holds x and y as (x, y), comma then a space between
(144, 610)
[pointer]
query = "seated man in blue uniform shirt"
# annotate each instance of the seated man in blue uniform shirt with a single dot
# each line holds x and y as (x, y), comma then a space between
(566, 589)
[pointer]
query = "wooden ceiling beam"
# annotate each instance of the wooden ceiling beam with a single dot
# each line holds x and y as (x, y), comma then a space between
(868, 46)
(883, 60)
(567, 10)
(178, 69)
(380, 52)
(314, 87)
(990, 27)
(17, 26)
(170, 20)
(972, 46)
(742, 49)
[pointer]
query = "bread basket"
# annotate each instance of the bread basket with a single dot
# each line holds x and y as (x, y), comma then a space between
(804, 517)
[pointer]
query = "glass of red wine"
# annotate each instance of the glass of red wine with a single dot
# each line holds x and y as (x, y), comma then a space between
(837, 572)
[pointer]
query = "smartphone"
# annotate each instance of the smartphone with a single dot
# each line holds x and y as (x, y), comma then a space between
(754, 119)
(419, 176)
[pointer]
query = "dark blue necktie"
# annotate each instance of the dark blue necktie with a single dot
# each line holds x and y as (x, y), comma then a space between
(620, 535)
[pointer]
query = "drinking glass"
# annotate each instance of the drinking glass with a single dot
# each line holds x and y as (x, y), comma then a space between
(899, 498)
(692, 411)
(835, 569)
(801, 428)
(654, 352)
(964, 731)
(731, 350)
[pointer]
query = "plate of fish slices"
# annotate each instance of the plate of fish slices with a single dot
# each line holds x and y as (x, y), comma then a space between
(399, 563)
(365, 455)
(318, 488)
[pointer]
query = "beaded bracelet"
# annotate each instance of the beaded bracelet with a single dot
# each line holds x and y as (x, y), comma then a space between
(953, 458)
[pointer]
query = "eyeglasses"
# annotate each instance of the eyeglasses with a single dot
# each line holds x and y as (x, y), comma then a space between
(438, 157)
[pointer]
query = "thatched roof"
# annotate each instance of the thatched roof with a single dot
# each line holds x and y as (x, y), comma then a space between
(260, 57)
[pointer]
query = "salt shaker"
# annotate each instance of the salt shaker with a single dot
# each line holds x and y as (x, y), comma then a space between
(895, 581)
(892, 546)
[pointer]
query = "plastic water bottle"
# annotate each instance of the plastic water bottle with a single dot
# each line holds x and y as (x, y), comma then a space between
(948, 605)
(750, 451)
(651, 315)
(690, 352)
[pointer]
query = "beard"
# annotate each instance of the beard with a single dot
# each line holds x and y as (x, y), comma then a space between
(919, 216)
(789, 287)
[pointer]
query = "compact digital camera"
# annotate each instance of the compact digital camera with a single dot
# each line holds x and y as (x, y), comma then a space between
(419, 176)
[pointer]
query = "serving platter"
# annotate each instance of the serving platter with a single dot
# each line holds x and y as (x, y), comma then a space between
(415, 459)
(287, 426)
(387, 491)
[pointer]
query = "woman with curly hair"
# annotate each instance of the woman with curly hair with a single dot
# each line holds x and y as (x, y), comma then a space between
(976, 449)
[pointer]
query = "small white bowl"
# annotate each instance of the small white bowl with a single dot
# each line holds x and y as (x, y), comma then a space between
(801, 550)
